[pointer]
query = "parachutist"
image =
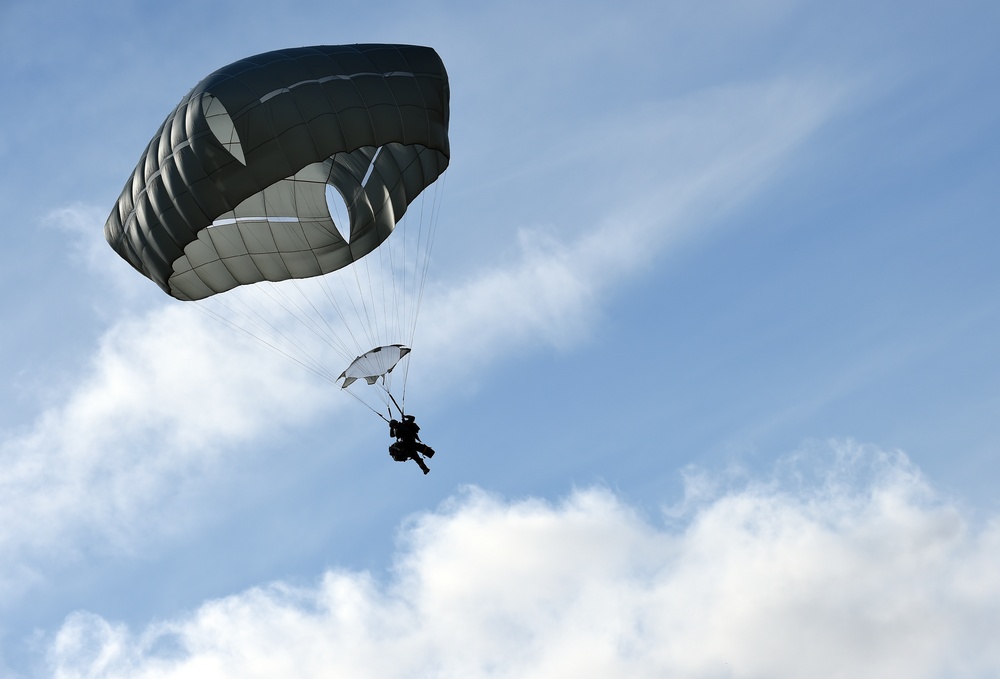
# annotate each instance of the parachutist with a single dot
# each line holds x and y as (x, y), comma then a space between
(408, 445)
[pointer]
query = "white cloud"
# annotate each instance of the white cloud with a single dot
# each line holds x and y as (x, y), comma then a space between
(866, 573)
(166, 398)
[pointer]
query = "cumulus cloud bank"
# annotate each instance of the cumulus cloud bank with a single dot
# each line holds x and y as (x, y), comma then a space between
(866, 572)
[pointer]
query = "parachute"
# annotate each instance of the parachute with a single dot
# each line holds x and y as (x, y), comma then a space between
(373, 365)
(272, 189)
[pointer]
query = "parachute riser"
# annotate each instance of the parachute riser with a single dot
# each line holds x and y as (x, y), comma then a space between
(398, 407)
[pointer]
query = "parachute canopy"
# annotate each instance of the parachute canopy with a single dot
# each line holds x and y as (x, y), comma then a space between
(373, 365)
(232, 188)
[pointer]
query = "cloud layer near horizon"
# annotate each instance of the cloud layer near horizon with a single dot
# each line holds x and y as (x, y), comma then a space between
(866, 572)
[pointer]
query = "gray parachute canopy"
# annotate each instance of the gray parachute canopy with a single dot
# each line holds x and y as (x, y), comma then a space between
(232, 188)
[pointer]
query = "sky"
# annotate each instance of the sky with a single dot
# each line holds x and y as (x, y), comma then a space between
(707, 354)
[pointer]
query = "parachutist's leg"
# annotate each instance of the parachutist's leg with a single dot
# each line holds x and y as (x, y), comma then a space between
(420, 463)
(425, 450)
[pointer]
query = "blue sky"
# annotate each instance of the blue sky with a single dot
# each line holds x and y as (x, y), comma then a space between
(708, 354)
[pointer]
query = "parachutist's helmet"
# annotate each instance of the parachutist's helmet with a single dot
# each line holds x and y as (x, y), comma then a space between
(408, 418)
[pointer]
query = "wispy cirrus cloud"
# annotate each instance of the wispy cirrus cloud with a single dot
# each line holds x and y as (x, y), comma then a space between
(863, 571)
(669, 174)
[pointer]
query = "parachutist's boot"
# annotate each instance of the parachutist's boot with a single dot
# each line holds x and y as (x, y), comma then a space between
(424, 468)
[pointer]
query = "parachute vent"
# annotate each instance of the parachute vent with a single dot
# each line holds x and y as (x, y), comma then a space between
(222, 126)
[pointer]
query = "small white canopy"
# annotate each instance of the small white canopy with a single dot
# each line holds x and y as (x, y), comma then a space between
(372, 365)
